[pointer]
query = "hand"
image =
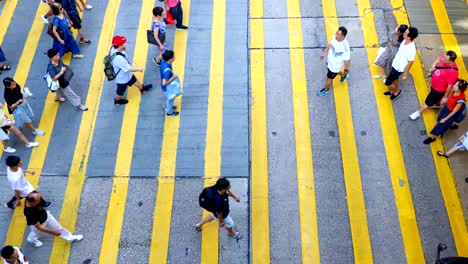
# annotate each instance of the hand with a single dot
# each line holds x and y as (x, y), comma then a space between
(32, 172)
(443, 100)
(71, 23)
(167, 7)
(322, 56)
(175, 76)
(18, 202)
(237, 198)
(61, 41)
(140, 69)
(57, 233)
(404, 76)
(63, 69)
(442, 120)
(161, 47)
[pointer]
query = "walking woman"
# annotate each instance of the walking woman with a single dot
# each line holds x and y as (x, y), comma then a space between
(451, 112)
(18, 106)
(56, 70)
(63, 42)
(5, 126)
(384, 61)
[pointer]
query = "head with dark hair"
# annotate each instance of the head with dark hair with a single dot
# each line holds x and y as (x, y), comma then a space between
(158, 11)
(451, 56)
(168, 56)
(56, 8)
(222, 184)
(7, 252)
(51, 53)
(8, 82)
(412, 33)
(401, 31)
(13, 161)
(461, 85)
(33, 197)
(341, 34)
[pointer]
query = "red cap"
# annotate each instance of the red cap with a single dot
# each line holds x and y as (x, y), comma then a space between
(118, 40)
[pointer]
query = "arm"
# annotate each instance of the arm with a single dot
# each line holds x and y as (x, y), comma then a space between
(166, 82)
(454, 112)
(18, 197)
(156, 37)
(346, 66)
(408, 67)
(46, 230)
(136, 69)
(447, 94)
(166, 4)
(325, 51)
(54, 29)
(28, 171)
(56, 76)
(237, 198)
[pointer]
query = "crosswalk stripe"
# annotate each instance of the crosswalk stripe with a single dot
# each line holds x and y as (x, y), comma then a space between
(5, 18)
(305, 173)
(18, 222)
(167, 163)
(214, 126)
(402, 194)
(443, 170)
(117, 201)
(71, 201)
(260, 215)
(352, 174)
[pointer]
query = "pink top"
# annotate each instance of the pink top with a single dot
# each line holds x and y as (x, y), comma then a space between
(172, 3)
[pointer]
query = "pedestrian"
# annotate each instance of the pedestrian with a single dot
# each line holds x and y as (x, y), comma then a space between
(170, 83)
(3, 66)
(124, 76)
(41, 220)
(19, 106)
(384, 61)
(175, 7)
(56, 69)
(217, 199)
(453, 111)
(339, 55)
(65, 41)
(71, 12)
(159, 31)
(7, 125)
(444, 76)
(19, 183)
(461, 145)
(13, 255)
(402, 63)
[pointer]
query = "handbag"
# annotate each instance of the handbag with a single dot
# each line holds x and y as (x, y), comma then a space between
(150, 37)
(26, 92)
(68, 75)
(173, 89)
(4, 120)
(52, 84)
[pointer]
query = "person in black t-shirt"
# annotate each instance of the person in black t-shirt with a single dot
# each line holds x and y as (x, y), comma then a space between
(219, 198)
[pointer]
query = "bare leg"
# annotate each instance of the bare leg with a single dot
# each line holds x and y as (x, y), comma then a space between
(138, 84)
(5, 144)
(19, 134)
(207, 219)
(328, 83)
(451, 151)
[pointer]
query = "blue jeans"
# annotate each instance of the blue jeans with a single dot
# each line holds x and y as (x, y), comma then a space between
(170, 105)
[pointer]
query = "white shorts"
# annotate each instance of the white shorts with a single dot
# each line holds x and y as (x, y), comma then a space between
(228, 222)
(3, 135)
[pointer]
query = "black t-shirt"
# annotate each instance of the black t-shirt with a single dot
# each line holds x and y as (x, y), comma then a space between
(12, 96)
(35, 214)
(220, 203)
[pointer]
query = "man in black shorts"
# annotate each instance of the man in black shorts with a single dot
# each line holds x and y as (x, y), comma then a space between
(71, 12)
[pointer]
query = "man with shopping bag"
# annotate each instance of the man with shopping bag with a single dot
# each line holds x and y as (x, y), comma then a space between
(170, 83)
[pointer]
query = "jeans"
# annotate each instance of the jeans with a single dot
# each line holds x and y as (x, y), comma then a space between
(170, 105)
(177, 14)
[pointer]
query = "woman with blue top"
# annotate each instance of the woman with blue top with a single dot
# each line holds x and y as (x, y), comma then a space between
(64, 41)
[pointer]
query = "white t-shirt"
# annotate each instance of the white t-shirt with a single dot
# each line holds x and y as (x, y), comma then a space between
(18, 182)
(337, 55)
(405, 54)
(121, 67)
(21, 257)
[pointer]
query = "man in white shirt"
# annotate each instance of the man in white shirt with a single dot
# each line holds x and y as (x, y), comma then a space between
(124, 76)
(13, 255)
(339, 54)
(18, 182)
(402, 63)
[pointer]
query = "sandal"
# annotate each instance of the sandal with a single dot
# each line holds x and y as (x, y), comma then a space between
(5, 67)
(61, 100)
(442, 154)
(198, 227)
(237, 235)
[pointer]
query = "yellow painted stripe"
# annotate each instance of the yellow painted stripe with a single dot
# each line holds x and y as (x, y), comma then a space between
(305, 173)
(443, 171)
(396, 164)
(214, 127)
(164, 198)
(117, 201)
(352, 174)
(69, 213)
(5, 17)
(260, 215)
(36, 161)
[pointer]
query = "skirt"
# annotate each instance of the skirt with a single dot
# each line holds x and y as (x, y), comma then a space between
(23, 114)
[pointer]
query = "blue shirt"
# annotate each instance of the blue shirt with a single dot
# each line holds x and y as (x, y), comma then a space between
(70, 7)
(165, 75)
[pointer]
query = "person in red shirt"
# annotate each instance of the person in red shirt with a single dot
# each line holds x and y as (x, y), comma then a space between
(444, 76)
(453, 111)
(175, 7)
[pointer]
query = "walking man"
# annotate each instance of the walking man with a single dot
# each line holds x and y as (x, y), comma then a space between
(402, 63)
(338, 57)
(168, 77)
(217, 199)
(175, 7)
(13, 255)
(42, 220)
(124, 71)
(18, 182)
(444, 76)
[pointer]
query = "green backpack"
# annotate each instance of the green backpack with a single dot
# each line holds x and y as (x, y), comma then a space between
(108, 68)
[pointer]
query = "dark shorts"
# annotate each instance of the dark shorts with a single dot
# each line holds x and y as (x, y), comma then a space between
(122, 87)
(331, 75)
(433, 97)
(76, 21)
(393, 76)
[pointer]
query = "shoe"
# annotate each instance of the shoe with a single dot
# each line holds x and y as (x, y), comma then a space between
(38, 132)
(344, 77)
(415, 115)
(36, 243)
(146, 88)
(88, 7)
(32, 144)
(156, 62)
(378, 76)
(454, 127)
(61, 100)
(237, 235)
(394, 97)
(387, 93)
(83, 107)
(323, 92)
(44, 18)
(9, 150)
(182, 27)
(175, 113)
(47, 204)
(429, 140)
(75, 238)
(85, 41)
(78, 56)
(120, 101)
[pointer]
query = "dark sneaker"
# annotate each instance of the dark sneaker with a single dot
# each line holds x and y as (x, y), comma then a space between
(454, 127)
(182, 28)
(394, 97)
(344, 77)
(85, 41)
(429, 140)
(120, 101)
(146, 88)
(387, 93)
(323, 92)
(173, 114)
(47, 204)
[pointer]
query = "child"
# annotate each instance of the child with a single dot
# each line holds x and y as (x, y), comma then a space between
(159, 32)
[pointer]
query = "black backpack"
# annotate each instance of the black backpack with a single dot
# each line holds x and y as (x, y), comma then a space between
(206, 199)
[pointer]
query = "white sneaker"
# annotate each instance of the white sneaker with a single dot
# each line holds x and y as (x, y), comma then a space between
(75, 238)
(32, 144)
(45, 19)
(9, 150)
(36, 243)
(38, 132)
(88, 7)
(415, 115)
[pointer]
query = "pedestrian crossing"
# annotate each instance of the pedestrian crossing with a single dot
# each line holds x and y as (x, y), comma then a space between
(346, 186)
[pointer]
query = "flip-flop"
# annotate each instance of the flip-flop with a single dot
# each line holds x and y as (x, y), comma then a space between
(442, 154)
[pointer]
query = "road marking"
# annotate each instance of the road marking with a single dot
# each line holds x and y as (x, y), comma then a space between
(443, 170)
(305, 173)
(352, 174)
(214, 126)
(260, 215)
(164, 198)
(117, 201)
(5, 18)
(71, 201)
(396, 164)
